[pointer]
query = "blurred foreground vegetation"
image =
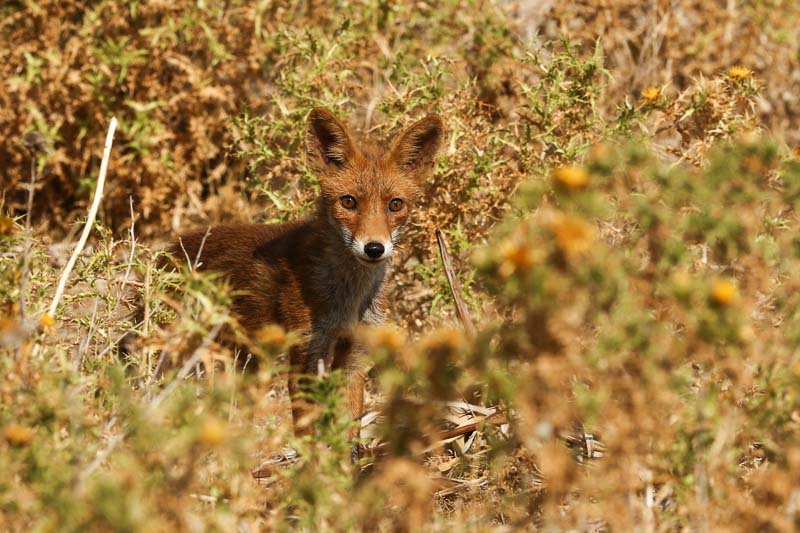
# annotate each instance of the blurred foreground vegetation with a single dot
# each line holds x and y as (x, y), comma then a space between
(619, 187)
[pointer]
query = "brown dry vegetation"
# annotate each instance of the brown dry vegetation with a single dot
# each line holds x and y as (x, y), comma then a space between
(632, 167)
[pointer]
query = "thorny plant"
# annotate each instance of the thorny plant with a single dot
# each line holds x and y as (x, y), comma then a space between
(625, 232)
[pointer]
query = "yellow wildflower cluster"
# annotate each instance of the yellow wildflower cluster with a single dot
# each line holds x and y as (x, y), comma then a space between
(47, 322)
(443, 340)
(18, 435)
(651, 94)
(724, 292)
(212, 433)
(272, 335)
(7, 225)
(573, 234)
(572, 177)
(738, 72)
(514, 256)
(385, 336)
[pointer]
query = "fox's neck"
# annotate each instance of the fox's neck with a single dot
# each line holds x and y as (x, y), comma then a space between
(347, 282)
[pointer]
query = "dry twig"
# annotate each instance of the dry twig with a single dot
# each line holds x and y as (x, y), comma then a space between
(455, 286)
(98, 195)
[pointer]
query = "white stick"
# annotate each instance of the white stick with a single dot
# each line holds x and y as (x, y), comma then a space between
(98, 195)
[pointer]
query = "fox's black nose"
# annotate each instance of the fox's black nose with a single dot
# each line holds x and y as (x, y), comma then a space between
(373, 249)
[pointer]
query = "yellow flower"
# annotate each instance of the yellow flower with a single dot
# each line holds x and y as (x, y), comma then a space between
(7, 324)
(272, 334)
(572, 178)
(724, 292)
(47, 322)
(212, 433)
(18, 435)
(514, 257)
(7, 225)
(651, 94)
(738, 72)
(573, 235)
(443, 341)
(388, 337)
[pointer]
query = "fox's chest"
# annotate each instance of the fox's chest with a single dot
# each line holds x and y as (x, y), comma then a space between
(343, 304)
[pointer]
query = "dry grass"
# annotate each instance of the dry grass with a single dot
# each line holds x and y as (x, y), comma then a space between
(618, 189)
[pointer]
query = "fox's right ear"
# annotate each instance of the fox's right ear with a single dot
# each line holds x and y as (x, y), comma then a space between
(328, 145)
(416, 148)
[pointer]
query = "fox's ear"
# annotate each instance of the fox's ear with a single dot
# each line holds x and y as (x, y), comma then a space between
(416, 148)
(328, 145)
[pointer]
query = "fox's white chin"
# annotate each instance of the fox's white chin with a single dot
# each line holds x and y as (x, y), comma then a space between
(371, 262)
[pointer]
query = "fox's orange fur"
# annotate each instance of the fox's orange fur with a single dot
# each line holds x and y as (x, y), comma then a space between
(322, 276)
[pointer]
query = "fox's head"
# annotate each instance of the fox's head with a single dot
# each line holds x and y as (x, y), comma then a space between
(368, 191)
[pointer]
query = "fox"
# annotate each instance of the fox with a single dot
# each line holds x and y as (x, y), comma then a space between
(323, 276)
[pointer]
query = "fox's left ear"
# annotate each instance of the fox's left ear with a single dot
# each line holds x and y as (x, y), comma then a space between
(415, 149)
(328, 144)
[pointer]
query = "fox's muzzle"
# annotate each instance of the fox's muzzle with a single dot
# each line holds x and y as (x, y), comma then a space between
(373, 250)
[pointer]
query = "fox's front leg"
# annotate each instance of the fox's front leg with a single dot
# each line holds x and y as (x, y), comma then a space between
(341, 355)
(345, 357)
(299, 381)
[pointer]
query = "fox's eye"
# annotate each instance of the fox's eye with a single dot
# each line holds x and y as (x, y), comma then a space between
(395, 205)
(348, 202)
